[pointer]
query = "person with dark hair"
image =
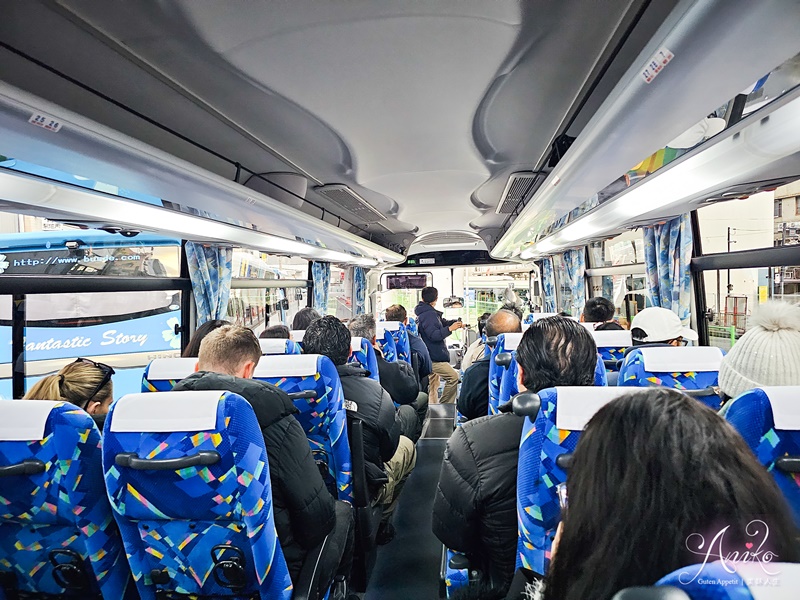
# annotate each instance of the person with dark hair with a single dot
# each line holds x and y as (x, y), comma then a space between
(482, 322)
(305, 511)
(420, 357)
(656, 325)
(653, 472)
(475, 510)
(434, 329)
(473, 402)
(279, 331)
(600, 311)
(303, 318)
(193, 347)
(389, 452)
(397, 377)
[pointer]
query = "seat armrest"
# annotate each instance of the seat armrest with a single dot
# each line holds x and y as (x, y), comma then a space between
(355, 431)
(652, 593)
(305, 588)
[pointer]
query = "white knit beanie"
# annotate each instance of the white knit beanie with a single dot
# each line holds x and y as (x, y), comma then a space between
(768, 354)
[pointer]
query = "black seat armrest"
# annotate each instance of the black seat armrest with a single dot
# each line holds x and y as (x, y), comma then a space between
(306, 586)
(503, 359)
(652, 593)
(361, 494)
(526, 404)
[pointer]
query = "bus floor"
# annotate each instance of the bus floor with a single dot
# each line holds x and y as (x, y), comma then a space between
(408, 567)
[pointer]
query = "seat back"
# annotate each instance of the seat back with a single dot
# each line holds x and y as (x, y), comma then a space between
(162, 374)
(769, 421)
(400, 336)
(56, 531)
(388, 346)
(278, 346)
(611, 344)
(313, 379)
(681, 368)
(754, 580)
(188, 479)
(362, 352)
(563, 413)
(506, 342)
(298, 335)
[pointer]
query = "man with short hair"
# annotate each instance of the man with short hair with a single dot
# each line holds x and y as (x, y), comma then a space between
(473, 402)
(389, 454)
(475, 508)
(304, 510)
(397, 377)
(434, 329)
(600, 311)
(280, 332)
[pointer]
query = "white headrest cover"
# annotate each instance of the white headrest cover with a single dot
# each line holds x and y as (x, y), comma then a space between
(387, 326)
(577, 405)
(286, 365)
(525, 327)
(537, 316)
(785, 401)
(24, 420)
(612, 339)
(786, 574)
(158, 412)
(298, 334)
(171, 368)
(681, 359)
(511, 341)
(355, 344)
(273, 346)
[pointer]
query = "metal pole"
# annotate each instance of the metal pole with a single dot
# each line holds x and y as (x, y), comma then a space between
(18, 318)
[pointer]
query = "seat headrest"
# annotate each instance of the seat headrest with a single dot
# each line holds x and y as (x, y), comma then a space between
(355, 344)
(382, 326)
(612, 339)
(298, 334)
(286, 365)
(785, 402)
(577, 405)
(537, 316)
(158, 412)
(171, 368)
(24, 420)
(787, 575)
(511, 341)
(272, 346)
(671, 359)
(525, 327)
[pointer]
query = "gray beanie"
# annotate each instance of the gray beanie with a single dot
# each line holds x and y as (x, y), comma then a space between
(768, 354)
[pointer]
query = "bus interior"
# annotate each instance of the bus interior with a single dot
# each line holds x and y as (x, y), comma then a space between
(167, 163)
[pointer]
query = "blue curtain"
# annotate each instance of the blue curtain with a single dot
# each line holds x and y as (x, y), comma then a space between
(575, 267)
(359, 290)
(321, 279)
(210, 272)
(548, 284)
(667, 257)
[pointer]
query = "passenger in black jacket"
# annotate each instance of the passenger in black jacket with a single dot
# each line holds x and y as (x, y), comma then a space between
(600, 311)
(397, 378)
(388, 450)
(420, 357)
(305, 511)
(473, 401)
(475, 506)
(434, 329)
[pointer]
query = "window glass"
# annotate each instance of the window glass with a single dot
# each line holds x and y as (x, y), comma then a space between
(5, 347)
(625, 249)
(747, 224)
(123, 329)
(627, 292)
(563, 289)
(340, 293)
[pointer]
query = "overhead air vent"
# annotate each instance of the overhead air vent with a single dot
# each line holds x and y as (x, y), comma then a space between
(518, 188)
(345, 198)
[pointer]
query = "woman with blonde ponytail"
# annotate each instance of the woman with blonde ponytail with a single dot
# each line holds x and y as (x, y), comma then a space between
(84, 383)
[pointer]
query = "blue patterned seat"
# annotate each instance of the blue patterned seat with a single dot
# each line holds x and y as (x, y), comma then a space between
(388, 346)
(323, 417)
(769, 421)
(680, 368)
(57, 535)
(538, 475)
(400, 336)
(362, 352)
(162, 374)
(496, 371)
(278, 346)
(612, 345)
(412, 327)
(733, 581)
(188, 480)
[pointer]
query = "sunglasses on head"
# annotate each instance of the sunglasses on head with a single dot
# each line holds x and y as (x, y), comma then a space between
(107, 373)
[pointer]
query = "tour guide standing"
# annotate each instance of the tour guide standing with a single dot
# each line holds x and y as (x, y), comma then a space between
(434, 329)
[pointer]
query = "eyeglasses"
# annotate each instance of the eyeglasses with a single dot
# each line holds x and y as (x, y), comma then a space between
(107, 373)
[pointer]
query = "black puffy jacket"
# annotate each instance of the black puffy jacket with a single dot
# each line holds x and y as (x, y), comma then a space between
(303, 507)
(368, 401)
(398, 378)
(433, 329)
(473, 400)
(475, 508)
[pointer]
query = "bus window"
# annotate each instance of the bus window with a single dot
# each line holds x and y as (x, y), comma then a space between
(340, 293)
(5, 343)
(123, 329)
(626, 283)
